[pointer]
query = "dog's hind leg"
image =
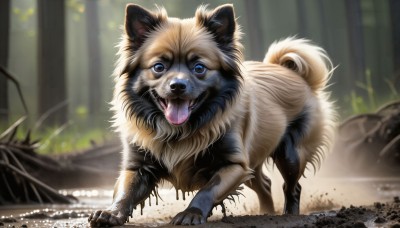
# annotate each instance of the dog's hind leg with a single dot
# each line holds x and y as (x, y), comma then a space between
(261, 184)
(287, 160)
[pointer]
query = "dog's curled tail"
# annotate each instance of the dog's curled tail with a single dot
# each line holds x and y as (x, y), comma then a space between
(299, 55)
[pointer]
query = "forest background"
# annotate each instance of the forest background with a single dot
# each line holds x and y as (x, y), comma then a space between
(62, 52)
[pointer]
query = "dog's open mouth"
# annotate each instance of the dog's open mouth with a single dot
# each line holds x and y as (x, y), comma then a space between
(177, 111)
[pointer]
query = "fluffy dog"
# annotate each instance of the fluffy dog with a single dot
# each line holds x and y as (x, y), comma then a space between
(190, 111)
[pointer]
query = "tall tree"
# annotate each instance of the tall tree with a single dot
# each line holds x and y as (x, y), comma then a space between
(356, 39)
(395, 20)
(51, 59)
(254, 31)
(302, 19)
(94, 60)
(4, 44)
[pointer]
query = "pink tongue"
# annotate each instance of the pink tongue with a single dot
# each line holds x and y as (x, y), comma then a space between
(177, 111)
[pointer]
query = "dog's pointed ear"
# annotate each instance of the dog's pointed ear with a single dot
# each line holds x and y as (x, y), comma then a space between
(220, 22)
(139, 22)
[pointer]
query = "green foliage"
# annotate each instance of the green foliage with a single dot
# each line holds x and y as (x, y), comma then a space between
(81, 133)
(24, 15)
(358, 104)
(82, 112)
(69, 139)
(77, 7)
(368, 87)
(112, 25)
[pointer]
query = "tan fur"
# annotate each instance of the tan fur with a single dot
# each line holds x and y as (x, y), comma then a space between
(261, 122)
(286, 95)
(271, 96)
(192, 36)
(243, 113)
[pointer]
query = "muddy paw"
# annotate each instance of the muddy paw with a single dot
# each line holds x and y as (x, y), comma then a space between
(190, 216)
(106, 218)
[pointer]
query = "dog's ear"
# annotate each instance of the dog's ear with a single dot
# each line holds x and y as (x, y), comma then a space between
(220, 22)
(139, 22)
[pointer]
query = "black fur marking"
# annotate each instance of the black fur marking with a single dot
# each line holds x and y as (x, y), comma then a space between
(294, 133)
(141, 105)
(203, 200)
(216, 101)
(217, 155)
(295, 130)
(222, 25)
(206, 167)
(149, 172)
(287, 160)
(139, 22)
(225, 147)
(142, 160)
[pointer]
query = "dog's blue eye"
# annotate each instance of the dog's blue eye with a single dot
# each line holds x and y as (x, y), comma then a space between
(158, 68)
(199, 69)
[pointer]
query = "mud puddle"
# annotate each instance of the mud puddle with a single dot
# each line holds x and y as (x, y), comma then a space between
(325, 202)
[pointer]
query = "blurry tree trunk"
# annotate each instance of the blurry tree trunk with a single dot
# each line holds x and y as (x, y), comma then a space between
(254, 31)
(94, 60)
(51, 59)
(4, 44)
(323, 22)
(301, 17)
(395, 20)
(356, 40)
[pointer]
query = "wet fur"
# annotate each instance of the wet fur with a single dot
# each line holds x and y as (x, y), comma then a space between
(277, 108)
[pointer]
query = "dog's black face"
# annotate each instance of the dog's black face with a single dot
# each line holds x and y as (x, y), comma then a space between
(185, 71)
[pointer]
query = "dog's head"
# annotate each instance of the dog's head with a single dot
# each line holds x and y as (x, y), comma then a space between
(178, 72)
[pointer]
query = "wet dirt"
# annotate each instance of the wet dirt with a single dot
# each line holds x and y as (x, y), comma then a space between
(326, 201)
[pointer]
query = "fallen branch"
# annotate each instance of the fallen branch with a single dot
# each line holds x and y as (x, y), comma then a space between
(16, 83)
(18, 162)
(50, 193)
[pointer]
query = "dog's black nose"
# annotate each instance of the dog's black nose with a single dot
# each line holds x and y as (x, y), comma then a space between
(178, 86)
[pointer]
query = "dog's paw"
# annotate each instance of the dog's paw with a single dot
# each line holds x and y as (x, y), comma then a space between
(104, 218)
(190, 216)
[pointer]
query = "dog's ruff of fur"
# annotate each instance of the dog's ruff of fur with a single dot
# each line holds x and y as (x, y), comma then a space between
(280, 107)
(270, 98)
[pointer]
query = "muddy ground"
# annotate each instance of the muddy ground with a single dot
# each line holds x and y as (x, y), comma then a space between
(377, 215)
(326, 202)
(334, 196)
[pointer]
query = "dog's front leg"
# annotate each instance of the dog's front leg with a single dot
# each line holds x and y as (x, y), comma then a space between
(130, 189)
(135, 183)
(224, 182)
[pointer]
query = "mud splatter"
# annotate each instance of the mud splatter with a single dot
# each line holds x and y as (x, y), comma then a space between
(321, 202)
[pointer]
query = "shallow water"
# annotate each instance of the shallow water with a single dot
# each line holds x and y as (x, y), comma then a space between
(318, 194)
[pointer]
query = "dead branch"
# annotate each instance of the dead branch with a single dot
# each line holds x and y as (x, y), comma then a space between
(9, 76)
